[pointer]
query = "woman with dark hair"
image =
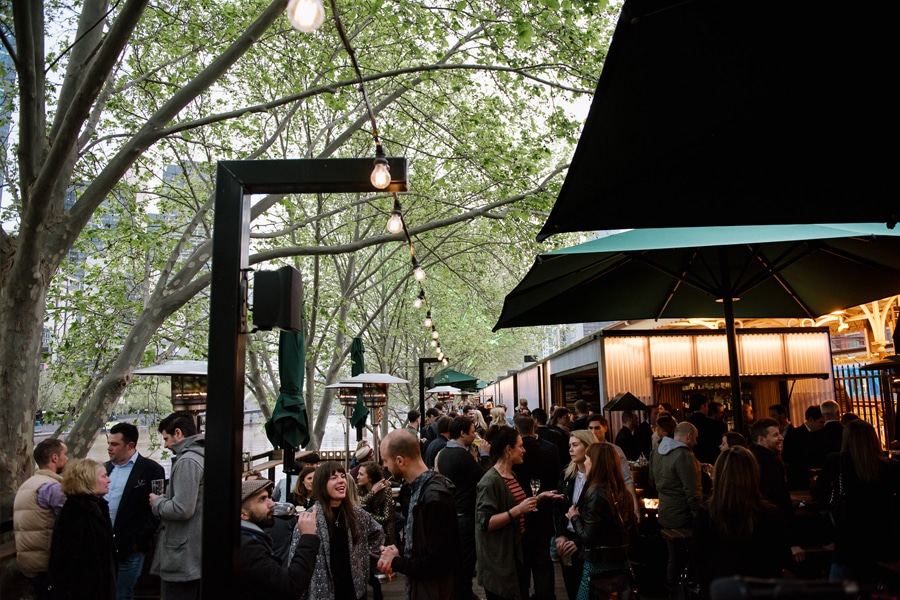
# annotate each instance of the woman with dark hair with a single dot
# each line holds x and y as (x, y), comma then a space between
(863, 481)
(500, 506)
(599, 519)
(730, 440)
(301, 495)
(572, 486)
(82, 550)
(377, 500)
(737, 532)
(349, 536)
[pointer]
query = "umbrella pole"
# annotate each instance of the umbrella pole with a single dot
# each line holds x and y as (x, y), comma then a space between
(347, 413)
(731, 340)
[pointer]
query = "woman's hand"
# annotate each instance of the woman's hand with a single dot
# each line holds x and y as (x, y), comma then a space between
(573, 512)
(565, 546)
(550, 495)
(527, 505)
(379, 485)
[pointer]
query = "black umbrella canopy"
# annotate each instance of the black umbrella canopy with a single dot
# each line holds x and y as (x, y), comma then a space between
(625, 401)
(711, 113)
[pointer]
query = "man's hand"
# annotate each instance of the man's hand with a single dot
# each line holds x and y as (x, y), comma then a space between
(306, 521)
(152, 498)
(799, 554)
(388, 553)
(572, 512)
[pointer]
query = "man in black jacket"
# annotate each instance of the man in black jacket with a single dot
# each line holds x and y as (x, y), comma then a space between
(456, 463)
(766, 447)
(541, 464)
(261, 574)
(130, 475)
(431, 533)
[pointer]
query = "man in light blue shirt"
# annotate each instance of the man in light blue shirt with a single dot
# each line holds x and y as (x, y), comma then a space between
(130, 477)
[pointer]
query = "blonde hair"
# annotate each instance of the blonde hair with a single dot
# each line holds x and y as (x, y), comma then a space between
(80, 477)
(479, 420)
(498, 416)
(586, 438)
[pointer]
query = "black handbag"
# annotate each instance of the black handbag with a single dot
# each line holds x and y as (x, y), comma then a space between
(837, 510)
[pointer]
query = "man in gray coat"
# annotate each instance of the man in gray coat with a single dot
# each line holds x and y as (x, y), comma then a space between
(177, 557)
(676, 473)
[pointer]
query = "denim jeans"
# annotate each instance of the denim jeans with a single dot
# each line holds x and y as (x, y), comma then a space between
(130, 567)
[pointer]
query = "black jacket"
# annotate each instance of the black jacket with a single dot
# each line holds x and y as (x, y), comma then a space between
(135, 524)
(457, 465)
(435, 537)
(82, 551)
(261, 573)
(601, 532)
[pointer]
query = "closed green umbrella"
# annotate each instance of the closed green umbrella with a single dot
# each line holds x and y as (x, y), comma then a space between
(288, 428)
(777, 271)
(358, 366)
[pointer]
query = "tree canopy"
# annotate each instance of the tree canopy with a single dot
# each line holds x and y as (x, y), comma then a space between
(121, 112)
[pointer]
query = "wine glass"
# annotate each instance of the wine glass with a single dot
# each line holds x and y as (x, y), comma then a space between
(535, 488)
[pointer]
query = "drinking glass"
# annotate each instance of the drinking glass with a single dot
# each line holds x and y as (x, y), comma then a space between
(535, 488)
(158, 487)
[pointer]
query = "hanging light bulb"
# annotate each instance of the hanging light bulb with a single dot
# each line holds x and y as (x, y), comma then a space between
(440, 354)
(444, 361)
(306, 15)
(395, 223)
(428, 321)
(434, 343)
(418, 271)
(434, 333)
(419, 300)
(381, 173)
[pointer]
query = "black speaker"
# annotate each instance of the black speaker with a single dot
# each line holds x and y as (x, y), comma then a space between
(277, 299)
(429, 383)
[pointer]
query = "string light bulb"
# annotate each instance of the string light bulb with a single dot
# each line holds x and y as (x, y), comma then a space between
(306, 15)
(395, 223)
(417, 303)
(434, 333)
(418, 271)
(434, 343)
(381, 173)
(445, 362)
(428, 321)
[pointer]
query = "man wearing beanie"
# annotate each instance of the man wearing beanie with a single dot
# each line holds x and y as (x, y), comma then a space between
(261, 573)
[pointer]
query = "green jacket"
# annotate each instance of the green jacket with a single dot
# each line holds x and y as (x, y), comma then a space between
(676, 474)
(499, 552)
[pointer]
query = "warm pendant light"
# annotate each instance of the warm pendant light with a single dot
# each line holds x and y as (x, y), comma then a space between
(428, 321)
(381, 173)
(395, 223)
(418, 271)
(306, 15)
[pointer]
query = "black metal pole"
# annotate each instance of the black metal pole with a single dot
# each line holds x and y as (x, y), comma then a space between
(236, 181)
(225, 387)
(735, 374)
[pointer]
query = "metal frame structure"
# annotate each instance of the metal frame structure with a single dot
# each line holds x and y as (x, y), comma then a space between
(236, 181)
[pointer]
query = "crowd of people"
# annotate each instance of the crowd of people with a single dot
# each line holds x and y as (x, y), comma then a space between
(473, 495)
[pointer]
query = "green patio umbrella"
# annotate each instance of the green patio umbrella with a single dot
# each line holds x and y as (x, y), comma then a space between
(777, 271)
(288, 428)
(357, 367)
(455, 378)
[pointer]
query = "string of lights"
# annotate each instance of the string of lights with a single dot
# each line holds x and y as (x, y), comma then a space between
(307, 16)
